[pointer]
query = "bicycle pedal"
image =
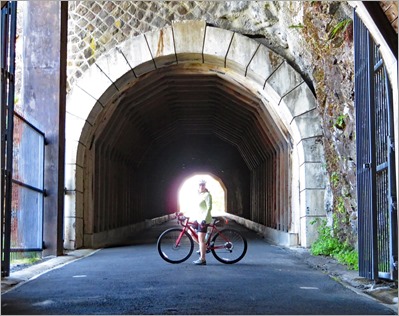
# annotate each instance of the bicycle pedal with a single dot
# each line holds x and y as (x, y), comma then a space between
(207, 251)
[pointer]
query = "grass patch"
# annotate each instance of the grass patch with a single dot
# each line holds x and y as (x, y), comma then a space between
(329, 245)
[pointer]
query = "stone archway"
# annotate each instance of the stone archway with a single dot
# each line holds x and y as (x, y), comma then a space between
(283, 93)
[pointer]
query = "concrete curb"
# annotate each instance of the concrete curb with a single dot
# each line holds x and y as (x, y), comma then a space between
(19, 277)
(384, 292)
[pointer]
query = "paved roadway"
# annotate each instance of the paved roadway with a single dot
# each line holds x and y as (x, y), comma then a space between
(132, 279)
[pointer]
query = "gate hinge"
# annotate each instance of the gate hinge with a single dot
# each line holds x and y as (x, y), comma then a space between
(395, 265)
(391, 143)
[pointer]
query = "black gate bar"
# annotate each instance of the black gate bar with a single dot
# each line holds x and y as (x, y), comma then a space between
(8, 38)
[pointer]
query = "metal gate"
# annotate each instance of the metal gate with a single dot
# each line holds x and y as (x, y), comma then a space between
(376, 191)
(22, 159)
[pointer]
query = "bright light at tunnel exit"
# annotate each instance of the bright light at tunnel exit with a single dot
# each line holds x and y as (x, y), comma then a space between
(189, 191)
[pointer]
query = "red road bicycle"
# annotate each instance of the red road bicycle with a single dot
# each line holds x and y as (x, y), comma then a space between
(175, 245)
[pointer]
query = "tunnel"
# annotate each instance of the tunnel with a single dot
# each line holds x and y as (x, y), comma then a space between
(173, 124)
(147, 126)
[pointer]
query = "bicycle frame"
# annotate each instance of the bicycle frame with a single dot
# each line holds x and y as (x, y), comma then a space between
(185, 222)
(176, 244)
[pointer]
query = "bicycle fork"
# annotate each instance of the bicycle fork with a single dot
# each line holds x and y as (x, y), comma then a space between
(177, 244)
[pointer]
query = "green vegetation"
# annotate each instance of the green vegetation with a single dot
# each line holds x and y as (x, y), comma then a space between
(23, 258)
(340, 121)
(329, 245)
(299, 26)
(334, 178)
(340, 27)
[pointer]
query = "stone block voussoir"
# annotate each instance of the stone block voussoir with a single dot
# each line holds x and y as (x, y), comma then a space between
(113, 65)
(308, 124)
(263, 64)
(299, 100)
(216, 45)
(161, 45)
(189, 40)
(241, 52)
(137, 54)
(73, 126)
(284, 80)
(79, 103)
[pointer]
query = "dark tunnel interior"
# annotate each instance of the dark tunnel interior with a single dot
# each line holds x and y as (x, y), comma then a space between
(172, 123)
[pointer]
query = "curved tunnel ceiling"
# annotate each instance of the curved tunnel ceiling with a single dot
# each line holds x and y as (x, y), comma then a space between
(172, 103)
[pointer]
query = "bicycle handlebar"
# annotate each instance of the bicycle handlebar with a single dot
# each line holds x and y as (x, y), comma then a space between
(181, 218)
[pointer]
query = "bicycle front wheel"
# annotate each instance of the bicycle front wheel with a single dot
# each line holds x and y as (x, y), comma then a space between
(173, 250)
(228, 246)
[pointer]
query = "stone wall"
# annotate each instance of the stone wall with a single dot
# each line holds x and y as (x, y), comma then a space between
(314, 37)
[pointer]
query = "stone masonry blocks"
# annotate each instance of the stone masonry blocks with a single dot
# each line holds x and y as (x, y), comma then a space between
(113, 64)
(263, 64)
(312, 176)
(312, 150)
(241, 52)
(192, 41)
(70, 174)
(300, 100)
(74, 126)
(189, 40)
(79, 103)
(309, 233)
(94, 82)
(71, 149)
(282, 81)
(308, 124)
(313, 202)
(162, 47)
(216, 46)
(138, 54)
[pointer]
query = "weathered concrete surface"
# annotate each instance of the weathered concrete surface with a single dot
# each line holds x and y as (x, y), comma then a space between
(43, 105)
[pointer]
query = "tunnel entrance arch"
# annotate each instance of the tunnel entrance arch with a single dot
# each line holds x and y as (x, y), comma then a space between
(169, 92)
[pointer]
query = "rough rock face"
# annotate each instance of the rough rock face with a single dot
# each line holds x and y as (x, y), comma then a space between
(315, 37)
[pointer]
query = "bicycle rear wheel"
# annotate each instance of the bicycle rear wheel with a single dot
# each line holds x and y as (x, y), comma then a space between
(229, 246)
(172, 252)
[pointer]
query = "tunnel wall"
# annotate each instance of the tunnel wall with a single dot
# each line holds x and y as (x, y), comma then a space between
(282, 91)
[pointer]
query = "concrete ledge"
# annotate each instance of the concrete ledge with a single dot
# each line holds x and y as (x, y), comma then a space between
(19, 277)
(271, 235)
(119, 235)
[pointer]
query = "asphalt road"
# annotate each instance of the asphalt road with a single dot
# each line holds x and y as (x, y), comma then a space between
(132, 279)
